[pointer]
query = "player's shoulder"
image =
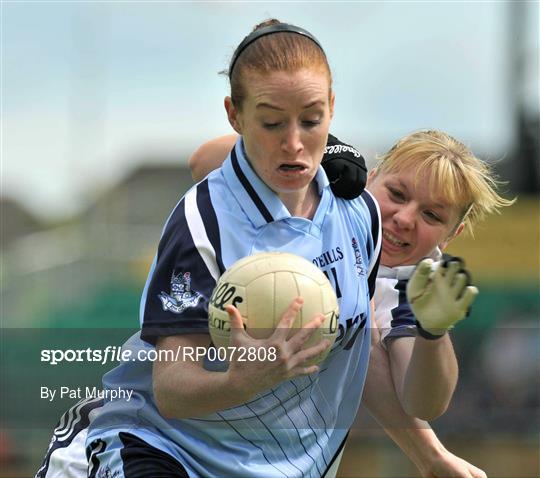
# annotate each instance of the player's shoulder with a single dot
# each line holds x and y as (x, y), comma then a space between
(369, 201)
(199, 198)
(363, 211)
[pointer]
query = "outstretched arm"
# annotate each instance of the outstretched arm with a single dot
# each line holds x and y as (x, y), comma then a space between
(425, 368)
(425, 374)
(414, 436)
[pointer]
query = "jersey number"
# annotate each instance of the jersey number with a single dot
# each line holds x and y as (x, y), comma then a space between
(334, 281)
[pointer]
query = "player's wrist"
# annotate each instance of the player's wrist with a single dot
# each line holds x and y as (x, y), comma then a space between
(426, 448)
(430, 334)
(237, 382)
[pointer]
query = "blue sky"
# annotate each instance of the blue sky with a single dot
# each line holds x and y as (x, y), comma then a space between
(90, 89)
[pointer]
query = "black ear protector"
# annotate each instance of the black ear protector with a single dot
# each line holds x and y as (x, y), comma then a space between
(277, 28)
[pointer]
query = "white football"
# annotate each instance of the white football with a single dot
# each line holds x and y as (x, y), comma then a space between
(262, 287)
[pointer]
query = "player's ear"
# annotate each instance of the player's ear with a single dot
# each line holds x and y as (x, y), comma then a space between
(232, 114)
(452, 236)
(371, 175)
(332, 102)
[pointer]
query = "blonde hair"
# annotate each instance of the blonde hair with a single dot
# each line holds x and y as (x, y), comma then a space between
(451, 169)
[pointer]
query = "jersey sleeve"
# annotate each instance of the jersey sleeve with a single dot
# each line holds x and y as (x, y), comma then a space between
(374, 244)
(393, 313)
(185, 270)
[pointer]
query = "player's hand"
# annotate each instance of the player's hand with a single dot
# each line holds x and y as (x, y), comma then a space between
(448, 465)
(345, 168)
(290, 359)
(441, 298)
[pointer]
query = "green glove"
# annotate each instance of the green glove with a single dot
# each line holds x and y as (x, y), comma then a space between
(439, 298)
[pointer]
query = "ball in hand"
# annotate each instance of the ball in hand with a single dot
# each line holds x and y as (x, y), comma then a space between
(262, 286)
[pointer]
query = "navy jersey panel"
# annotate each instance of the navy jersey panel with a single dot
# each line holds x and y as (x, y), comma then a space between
(402, 315)
(183, 276)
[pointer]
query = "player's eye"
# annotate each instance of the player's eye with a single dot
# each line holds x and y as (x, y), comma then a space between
(271, 125)
(432, 217)
(396, 194)
(311, 123)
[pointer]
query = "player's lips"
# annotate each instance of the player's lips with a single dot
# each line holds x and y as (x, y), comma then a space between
(293, 167)
(393, 239)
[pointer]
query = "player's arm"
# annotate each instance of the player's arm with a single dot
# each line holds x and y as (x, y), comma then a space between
(424, 368)
(425, 374)
(210, 156)
(344, 165)
(414, 436)
(183, 388)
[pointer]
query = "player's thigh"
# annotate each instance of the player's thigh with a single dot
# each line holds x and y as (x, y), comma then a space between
(127, 456)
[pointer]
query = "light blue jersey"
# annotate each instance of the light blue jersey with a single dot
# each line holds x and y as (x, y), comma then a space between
(296, 428)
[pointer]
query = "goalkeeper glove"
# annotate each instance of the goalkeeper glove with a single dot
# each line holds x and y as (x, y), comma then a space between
(439, 298)
(345, 168)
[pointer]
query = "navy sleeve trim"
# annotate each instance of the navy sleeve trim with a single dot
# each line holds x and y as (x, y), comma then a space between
(400, 332)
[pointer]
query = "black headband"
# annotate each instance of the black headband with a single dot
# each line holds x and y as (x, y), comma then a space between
(276, 28)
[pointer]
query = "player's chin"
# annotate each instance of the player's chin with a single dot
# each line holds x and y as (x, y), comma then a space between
(291, 184)
(392, 259)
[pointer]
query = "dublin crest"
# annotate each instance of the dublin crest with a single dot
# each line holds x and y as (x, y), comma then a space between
(181, 296)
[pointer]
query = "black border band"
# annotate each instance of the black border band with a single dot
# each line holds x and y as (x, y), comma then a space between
(276, 28)
(426, 335)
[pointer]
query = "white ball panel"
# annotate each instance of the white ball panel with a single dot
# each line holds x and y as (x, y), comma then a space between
(263, 286)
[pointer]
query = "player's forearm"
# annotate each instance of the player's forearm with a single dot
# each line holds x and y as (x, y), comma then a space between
(439, 299)
(186, 389)
(430, 379)
(180, 393)
(380, 396)
(420, 444)
(413, 436)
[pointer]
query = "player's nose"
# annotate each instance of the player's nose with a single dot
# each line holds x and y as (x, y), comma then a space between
(291, 142)
(405, 216)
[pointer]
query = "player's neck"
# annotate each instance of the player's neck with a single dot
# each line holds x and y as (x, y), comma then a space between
(302, 203)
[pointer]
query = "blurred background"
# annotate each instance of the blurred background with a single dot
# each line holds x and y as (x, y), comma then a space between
(103, 102)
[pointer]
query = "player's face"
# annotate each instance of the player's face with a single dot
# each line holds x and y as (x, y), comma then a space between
(415, 220)
(284, 121)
